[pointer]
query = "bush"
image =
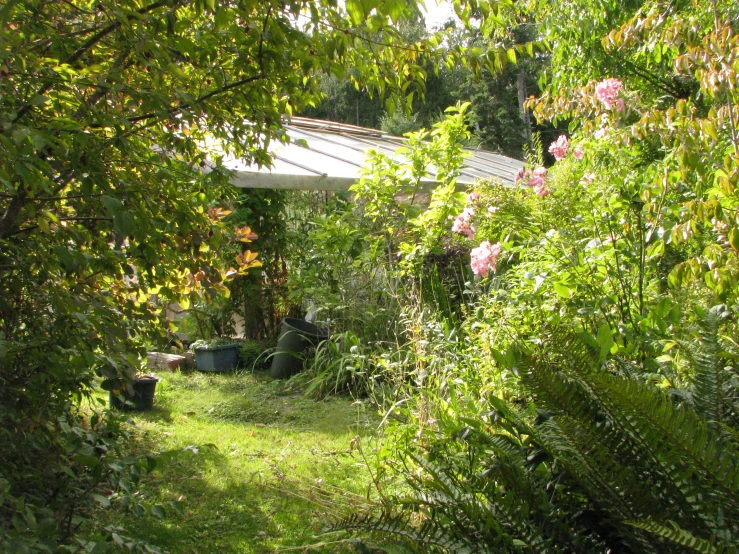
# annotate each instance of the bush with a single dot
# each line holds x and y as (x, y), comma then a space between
(254, 354)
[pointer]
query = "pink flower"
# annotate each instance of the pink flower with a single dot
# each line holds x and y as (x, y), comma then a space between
(538, 178)
(537, 181)
(493, 209)
(472, 197)
(541, 190)
(462, 225)
(520, 174)
(484, 258)
(606, 91)
(620, 104)
(559, 147)
(578, 152)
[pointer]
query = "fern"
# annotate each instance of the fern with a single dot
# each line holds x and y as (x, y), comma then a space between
(428, 533)
(672, 532)
(644, 429)
(606, 464)
(709, 395)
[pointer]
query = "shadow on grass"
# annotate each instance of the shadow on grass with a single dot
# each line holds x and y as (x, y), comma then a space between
(257, 399)
(224, 509)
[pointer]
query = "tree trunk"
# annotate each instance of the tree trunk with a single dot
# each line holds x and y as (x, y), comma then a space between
(522, 94)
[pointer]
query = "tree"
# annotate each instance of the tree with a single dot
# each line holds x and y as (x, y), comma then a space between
(114, 120)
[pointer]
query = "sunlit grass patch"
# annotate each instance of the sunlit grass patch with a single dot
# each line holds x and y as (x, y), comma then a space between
(234, 437)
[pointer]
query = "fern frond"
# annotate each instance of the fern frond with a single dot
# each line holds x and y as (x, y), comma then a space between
(689, 468)
(708, 394)
(672, 532)
(686, 451)
(495, 509)
(429, 533)
(609, 485)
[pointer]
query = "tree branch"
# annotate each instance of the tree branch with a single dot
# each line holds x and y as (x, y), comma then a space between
(176, 109)
(89, 43)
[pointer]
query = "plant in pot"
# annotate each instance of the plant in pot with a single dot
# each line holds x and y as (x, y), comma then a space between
(216, 355)
(135, 395)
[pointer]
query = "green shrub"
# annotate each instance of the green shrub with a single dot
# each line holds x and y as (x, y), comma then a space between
(255, 354)
(206, 344)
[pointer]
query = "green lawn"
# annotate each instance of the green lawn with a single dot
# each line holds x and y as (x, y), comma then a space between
(233, 494)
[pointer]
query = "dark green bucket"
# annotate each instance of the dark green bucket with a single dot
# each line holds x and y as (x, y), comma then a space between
(142, 399)
(296, 336)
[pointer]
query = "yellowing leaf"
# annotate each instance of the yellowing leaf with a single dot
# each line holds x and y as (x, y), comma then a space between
(734, 239)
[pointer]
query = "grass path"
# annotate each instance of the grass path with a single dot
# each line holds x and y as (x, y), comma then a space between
(230, 491)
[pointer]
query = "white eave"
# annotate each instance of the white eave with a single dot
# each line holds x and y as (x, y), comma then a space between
(324, 155)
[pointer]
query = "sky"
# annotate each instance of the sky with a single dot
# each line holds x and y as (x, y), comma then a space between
(437, 13)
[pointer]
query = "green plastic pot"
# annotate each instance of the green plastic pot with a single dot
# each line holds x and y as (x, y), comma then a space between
(217, 358)
(142, 399)
(296, 336)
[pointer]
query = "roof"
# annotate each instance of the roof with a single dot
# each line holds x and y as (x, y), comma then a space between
(323, 155)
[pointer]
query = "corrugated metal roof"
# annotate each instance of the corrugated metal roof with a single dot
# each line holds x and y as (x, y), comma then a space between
(323, 155)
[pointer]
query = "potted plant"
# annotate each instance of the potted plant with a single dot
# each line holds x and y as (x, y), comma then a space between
(216, 355)
(137, 396)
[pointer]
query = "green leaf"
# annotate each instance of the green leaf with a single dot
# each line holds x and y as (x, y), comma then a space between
(395, 9)
(103, 500)
(562, 290)
(111, 204)
(19, 135)
(43, 224)
(355, 11)
(605, 340)
(124, 223)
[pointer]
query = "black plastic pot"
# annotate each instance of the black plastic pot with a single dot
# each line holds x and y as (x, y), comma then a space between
(296, 336)
(142, 399)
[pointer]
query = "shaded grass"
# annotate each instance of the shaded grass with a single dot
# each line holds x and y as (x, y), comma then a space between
(231, 492)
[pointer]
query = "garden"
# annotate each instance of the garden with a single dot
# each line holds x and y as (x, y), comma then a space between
(547, 365)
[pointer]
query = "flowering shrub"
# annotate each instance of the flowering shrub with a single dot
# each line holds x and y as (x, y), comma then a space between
(484, 258)
(559, 147)
(607, 92)
(462, 224)
(536, 179)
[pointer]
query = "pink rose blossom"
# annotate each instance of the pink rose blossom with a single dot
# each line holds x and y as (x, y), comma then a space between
(540, 172)
(484, 258)
(541, 190)
(607, 91)
(462, 225)
(559, 147)
(520, 174)
(620, 105)
(537, 181)
(472, 197)
(578, 152)
(493, 209)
